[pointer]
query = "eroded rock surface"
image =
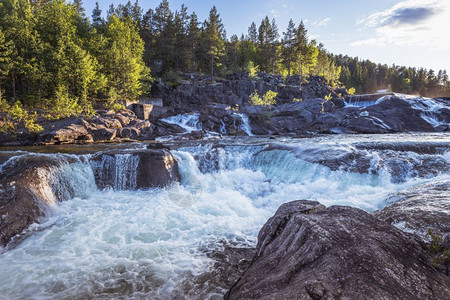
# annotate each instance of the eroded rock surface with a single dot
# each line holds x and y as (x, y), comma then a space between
(420, 208)
(307, 251)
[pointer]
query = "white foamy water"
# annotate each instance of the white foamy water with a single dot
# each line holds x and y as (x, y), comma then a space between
(189, 122)
(151, 244)
(245, 123)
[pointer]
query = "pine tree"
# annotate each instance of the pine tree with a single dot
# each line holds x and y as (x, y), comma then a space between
(214, 39)
(111, 11)
(97, 20)
(274, 45)
(79, 7)
(301, 43)
(193, 32)
(289, 45)
(252, 33)
(136, 13)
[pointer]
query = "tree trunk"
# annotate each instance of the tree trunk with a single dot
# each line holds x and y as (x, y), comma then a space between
(14, 85)
(212, 67)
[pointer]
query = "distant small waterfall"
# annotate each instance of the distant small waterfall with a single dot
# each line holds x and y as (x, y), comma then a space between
(245, 123)
(189, 122)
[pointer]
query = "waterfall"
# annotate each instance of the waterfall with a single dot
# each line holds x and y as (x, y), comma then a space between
(223, 129)
(189, 122)
(118, 171)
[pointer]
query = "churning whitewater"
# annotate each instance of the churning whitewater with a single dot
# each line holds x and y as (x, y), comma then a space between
(120, 242)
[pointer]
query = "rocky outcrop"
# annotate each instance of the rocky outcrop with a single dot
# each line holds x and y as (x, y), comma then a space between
(391, 114)
(307, 251)
(105, 127)
(196, 91)
(425, 211)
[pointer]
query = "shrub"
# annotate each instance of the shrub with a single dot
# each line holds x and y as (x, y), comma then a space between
(269, 98)
(251, 70)
(351, 91)
(16, 116)
(63, 105)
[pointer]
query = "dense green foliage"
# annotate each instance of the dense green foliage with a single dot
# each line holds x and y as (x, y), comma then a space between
(54, 57)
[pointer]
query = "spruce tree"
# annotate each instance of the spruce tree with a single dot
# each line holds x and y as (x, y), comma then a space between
(252, 33)
(79, 7)
(193, 33)
(214, 39)
(97, 20)
(289, 45)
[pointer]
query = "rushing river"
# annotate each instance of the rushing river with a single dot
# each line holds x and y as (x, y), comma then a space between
(125, 243)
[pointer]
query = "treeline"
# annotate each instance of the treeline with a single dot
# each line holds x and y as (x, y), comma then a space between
(178, 41)
(366, 76)
(56, 56)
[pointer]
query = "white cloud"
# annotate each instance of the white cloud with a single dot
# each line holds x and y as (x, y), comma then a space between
(410, 22)
(322, 22)
(275, 13)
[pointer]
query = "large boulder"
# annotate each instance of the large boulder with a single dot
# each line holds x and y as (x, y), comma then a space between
(31, 183)
(65, 131)
(307, 251)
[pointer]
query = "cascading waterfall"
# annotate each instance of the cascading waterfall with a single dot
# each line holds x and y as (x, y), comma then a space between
(359, 101)
(125, 243)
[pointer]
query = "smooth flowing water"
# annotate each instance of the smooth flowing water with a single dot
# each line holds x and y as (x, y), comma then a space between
(125, 243)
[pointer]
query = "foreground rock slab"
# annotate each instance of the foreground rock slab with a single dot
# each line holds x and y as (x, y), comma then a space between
(307, 251)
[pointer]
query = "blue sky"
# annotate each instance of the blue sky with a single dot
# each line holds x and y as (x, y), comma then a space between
(404, 32)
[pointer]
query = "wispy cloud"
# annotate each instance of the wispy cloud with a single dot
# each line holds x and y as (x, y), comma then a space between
(409, 22)
(322, 22)
(275, 13)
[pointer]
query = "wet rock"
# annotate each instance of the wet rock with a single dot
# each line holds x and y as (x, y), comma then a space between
(230, 262)
(420, 208)
(28, 185)
(306, 251)
(163, 129)
(195, 135)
